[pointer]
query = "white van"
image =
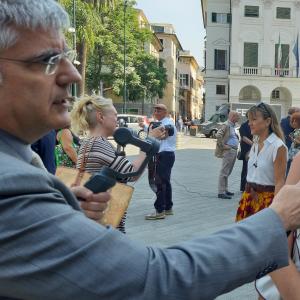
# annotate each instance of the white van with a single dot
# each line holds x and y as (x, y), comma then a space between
(132, 121)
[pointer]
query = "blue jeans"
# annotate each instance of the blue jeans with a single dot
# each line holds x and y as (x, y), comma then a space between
(165, 162)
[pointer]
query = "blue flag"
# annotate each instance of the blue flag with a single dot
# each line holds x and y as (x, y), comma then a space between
(296, 53)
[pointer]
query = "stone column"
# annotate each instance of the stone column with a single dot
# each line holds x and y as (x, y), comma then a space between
(235, 64)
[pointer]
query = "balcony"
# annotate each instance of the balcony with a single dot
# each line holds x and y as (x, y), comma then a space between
(263, 71)
(251, 71)
(283, 72)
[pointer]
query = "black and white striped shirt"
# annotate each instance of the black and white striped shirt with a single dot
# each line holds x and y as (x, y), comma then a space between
(99, 152)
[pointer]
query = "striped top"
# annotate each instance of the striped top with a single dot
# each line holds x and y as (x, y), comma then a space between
(99, 153)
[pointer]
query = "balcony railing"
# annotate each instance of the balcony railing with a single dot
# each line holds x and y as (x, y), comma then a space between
(250, 71)
(259, 71)
(283, 72)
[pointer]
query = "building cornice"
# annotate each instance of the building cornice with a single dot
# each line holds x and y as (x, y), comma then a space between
(171, 35)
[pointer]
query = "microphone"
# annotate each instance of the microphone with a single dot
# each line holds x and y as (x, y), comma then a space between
(255, 164)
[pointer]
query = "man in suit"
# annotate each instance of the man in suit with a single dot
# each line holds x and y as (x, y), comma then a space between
(49, 248)
(245, 144)
(226, 148)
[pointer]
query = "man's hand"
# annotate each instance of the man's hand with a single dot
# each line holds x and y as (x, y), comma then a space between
(287, 205)
(158, 132)
(94, 204)
(226, 147)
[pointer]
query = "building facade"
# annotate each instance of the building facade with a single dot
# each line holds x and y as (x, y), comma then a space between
(251, 52)
(170, 54)
(190, 87)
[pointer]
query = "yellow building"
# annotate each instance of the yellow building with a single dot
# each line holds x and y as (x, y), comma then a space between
(190, 86)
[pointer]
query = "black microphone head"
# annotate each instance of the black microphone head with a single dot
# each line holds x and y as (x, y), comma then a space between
(123, 136)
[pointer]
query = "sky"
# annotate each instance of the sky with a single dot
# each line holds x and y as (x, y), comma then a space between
(186, 17)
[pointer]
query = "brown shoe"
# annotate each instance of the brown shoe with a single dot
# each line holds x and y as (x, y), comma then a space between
(155, 216)
(169, 212)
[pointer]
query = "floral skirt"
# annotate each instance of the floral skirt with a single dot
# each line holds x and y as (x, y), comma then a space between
(249, 205)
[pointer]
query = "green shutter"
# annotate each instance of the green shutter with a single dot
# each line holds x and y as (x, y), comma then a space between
(251, 55)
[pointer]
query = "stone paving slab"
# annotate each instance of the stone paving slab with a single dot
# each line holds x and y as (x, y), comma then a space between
(198, 211)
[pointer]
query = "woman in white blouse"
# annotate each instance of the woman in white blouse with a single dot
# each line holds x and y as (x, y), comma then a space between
(267, 161)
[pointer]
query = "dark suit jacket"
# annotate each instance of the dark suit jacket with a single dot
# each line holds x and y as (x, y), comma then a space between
(45, 148)
(50, 250)
(287, 129)
(245, 131)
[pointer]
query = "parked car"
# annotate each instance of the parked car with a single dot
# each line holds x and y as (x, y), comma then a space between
(133, 121)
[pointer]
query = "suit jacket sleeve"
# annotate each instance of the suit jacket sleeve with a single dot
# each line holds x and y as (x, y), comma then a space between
(50, 250)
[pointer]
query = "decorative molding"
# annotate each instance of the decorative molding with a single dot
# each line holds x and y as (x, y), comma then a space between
(268, 3)
(221, 42)
(297, 4)
(235, 3)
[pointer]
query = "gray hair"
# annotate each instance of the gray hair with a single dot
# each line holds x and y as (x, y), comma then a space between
(30, 14)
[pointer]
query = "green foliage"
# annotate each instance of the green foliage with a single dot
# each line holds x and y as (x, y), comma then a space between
(100, 24)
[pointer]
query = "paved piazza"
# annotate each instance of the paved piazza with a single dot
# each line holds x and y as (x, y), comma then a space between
(198, 211)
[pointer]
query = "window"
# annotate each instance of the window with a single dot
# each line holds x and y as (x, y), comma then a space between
(283, 13)
(251, 11)
(276, 94)
(192, 82)
(220, 59)
(161, 41)
(220, 89)
(251, 55)
(160, 29)
(184, 79)
(282, 59)
(221, 18)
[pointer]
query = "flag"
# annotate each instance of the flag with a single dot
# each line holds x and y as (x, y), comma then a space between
(279, 54)
(296, 53)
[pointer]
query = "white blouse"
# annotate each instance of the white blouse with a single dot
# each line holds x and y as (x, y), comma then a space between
(261, 165)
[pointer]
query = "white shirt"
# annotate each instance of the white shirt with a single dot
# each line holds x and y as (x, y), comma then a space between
(261, 165)
(169, 144)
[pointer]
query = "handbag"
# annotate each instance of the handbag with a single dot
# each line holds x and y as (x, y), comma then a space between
(120, 193)
(265, 285)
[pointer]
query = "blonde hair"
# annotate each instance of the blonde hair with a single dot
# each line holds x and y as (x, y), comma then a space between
(83, 114)
(267, 112)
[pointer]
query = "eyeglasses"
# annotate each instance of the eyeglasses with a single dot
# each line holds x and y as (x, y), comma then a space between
(51, 62)
(263, 107)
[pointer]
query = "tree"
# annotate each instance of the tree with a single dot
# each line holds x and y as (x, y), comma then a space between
(88, 26)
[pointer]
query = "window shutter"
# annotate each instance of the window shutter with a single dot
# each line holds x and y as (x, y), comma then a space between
(214, 17)
(251, 55)
(229, 18)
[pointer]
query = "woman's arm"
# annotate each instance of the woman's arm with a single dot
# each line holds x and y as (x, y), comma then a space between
(247, 140)
(280, 168)
(67, 144)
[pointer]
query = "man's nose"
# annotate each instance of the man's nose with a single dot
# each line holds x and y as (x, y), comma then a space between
(68, 74)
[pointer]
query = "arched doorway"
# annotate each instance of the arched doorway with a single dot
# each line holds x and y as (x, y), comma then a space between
(282, 96)
(250, 94)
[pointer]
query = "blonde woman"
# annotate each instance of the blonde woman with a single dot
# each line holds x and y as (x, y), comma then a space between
(267, 161)
(97, 117)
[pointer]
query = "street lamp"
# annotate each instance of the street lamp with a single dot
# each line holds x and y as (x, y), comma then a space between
(124, 62)
(73, 31)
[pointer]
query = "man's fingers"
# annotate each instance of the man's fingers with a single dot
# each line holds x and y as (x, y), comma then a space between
(93, 206)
